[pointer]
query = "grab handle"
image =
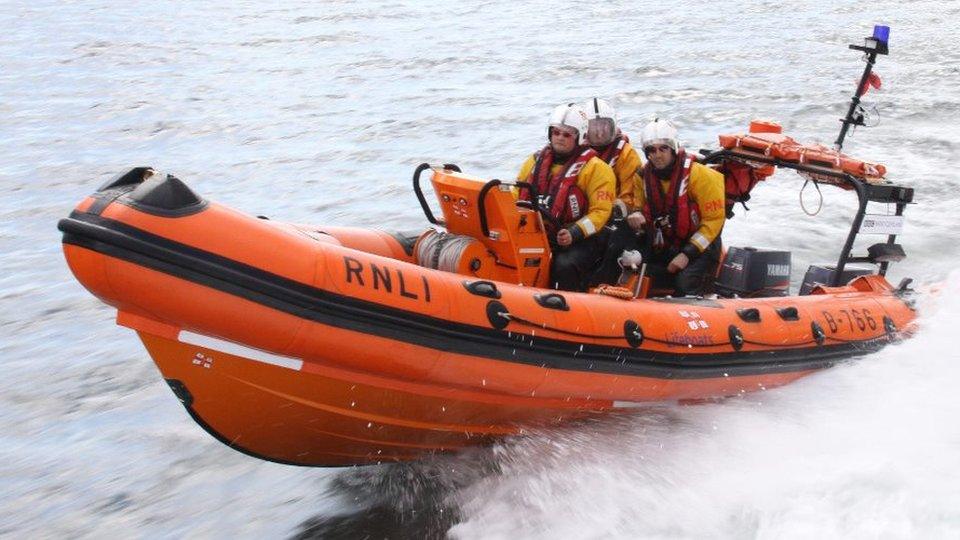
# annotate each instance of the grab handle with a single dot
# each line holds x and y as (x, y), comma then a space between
(482, 205)
(416, 189)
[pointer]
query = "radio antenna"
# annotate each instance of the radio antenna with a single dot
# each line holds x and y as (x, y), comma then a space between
(872, 46)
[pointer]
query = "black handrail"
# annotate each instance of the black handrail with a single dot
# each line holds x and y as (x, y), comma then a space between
(416, 189)
(482, 205)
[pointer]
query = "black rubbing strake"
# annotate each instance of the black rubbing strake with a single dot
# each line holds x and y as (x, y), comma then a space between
(122, 241)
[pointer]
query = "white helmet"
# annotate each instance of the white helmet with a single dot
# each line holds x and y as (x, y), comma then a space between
(570, 115)
(660, 132)
(602, 122)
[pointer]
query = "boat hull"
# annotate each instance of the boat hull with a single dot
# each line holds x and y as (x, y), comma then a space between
(298, 412)
(331, 347)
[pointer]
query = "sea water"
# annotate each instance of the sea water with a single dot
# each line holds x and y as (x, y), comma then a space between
(319, 112)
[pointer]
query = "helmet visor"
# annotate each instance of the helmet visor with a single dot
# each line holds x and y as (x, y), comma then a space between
(601, 131)
(656, 143)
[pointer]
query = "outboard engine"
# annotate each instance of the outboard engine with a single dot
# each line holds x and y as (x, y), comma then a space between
(753, 272)
(822, 274)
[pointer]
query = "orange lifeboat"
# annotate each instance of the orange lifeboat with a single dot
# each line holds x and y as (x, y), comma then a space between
(338, 346)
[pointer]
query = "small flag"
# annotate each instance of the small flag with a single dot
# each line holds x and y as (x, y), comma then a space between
(872, 80)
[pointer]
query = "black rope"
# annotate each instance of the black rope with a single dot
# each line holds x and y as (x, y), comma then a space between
(875, 338)
(558, 330)
(762, 344)
(544, 326)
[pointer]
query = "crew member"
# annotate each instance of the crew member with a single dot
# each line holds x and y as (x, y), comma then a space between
(575, 189)
(680, 209)
(613, 147)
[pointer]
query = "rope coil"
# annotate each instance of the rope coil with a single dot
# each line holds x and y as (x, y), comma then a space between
(442, 251)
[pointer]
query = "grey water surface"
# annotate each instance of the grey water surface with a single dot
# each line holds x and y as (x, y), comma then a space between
(318, 112)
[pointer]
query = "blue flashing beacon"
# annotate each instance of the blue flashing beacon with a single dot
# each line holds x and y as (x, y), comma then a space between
(881, 33)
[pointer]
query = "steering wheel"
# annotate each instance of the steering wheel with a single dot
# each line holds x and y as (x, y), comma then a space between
(525, 204)
(530, 205)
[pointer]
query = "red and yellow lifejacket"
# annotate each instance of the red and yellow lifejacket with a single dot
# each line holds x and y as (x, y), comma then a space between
(672, 214)
(611, 152)
(567, 201)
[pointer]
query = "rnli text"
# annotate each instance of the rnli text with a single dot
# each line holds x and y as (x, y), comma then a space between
(384, 278)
